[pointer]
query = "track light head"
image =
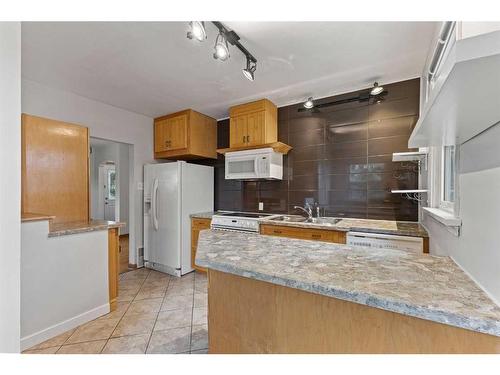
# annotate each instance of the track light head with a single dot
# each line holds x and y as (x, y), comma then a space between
(376, 90)
(221, 49)
(308, 104)
(197, 31)
(249, 71)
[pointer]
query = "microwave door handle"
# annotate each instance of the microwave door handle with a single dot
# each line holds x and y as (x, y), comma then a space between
(256, 167)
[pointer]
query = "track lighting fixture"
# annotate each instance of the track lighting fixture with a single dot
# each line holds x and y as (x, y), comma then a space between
(249, 71)
(197, 31)
(308, 104)
(376, 90)
(221, 49)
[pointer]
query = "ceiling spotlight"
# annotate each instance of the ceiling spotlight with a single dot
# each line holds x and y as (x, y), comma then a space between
(376, 89)
(197, 31)
(221, 50)
(249, 71)
(309, 103)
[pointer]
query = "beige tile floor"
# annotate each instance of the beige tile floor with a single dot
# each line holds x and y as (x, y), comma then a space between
(156, 313)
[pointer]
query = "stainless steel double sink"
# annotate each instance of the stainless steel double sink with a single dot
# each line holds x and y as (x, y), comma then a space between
(302, 219)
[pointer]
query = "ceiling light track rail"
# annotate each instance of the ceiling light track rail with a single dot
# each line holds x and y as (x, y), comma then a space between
(233, 39)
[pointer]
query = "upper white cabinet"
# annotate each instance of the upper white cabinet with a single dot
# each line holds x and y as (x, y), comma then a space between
(464, 98)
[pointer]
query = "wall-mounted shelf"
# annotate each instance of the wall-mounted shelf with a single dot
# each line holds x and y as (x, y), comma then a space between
(467, 101)
(280, 147)
(408, 191)
(409, 156)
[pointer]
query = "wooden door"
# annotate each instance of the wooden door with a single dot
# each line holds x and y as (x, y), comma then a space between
(256, 128)
(238, 131)
(55, 169)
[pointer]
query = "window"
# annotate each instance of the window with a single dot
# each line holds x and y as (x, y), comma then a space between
(111, 184)
(448, 183)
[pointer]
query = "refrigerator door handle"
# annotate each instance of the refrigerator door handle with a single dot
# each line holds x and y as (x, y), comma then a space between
(154, 204)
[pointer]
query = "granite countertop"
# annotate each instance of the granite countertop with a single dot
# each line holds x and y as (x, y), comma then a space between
(30, 216)
(64, 229)
(418, 285)
(402, 228)
(203, 215)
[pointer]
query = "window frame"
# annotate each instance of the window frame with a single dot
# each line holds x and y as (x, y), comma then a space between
(446, 205)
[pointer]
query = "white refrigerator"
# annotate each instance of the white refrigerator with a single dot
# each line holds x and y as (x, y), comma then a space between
(173, 191)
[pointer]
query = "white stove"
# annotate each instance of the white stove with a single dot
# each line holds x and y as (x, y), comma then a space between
(238, 221)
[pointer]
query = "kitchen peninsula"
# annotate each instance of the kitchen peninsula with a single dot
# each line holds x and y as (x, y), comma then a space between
(270, 294)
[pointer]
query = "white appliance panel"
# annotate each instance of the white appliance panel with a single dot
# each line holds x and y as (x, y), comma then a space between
(385, 241)
(197, 193)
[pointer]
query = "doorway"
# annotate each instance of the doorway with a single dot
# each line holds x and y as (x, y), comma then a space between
(109, 188)
(107, 191)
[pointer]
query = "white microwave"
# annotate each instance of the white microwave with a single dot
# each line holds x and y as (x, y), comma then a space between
(263, 163)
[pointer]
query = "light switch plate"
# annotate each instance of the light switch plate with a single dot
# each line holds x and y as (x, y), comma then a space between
(261, 206)
(140, 186)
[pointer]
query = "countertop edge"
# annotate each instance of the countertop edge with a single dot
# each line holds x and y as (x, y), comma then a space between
(343, 229)
(90, 228)
(30, 217)
(486, 326)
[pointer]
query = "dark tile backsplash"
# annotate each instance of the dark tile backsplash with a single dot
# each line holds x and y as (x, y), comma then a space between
(341, 158)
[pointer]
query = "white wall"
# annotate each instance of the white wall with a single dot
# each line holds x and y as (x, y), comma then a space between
(106, 122)
(64, 281)
(10, 185)
(123, 183)
(477, 249)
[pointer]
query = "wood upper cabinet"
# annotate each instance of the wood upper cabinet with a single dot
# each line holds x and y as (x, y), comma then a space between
(185, 135)
(253, 124)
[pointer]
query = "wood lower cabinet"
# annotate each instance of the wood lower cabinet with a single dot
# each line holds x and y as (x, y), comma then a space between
(113, 267)
(196, 226)
(251, 316)
(253, 124)
(304, 233)
(185, 135)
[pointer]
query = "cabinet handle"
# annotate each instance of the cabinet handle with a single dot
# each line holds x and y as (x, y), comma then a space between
(316, 236)
(277, 231)
(244, 139)
(248, 139)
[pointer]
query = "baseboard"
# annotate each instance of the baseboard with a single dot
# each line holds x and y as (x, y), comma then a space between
(133, 266)
(50, 332)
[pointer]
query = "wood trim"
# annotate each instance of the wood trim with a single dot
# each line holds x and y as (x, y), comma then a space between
(276, 146)
(426, 245)
(304, 233)
(113, 267)
(250, 316)
(197, 224)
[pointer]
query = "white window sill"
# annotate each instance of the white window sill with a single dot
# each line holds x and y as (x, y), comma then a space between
(444, 217)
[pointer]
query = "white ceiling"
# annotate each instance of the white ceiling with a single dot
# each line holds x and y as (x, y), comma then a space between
(153, 69)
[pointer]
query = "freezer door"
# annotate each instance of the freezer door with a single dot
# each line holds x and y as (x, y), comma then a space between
(163, 229)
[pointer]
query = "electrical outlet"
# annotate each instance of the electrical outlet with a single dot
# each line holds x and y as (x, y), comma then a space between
(261, 206)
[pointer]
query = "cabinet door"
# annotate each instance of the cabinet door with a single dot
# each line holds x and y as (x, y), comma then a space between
(256, 128)
(177, 128)
(238, 131)
(171, 133)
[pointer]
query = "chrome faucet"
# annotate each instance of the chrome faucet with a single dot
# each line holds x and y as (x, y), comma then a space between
(307, 210)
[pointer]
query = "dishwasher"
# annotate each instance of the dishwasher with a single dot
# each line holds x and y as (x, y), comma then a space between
(385, 241)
